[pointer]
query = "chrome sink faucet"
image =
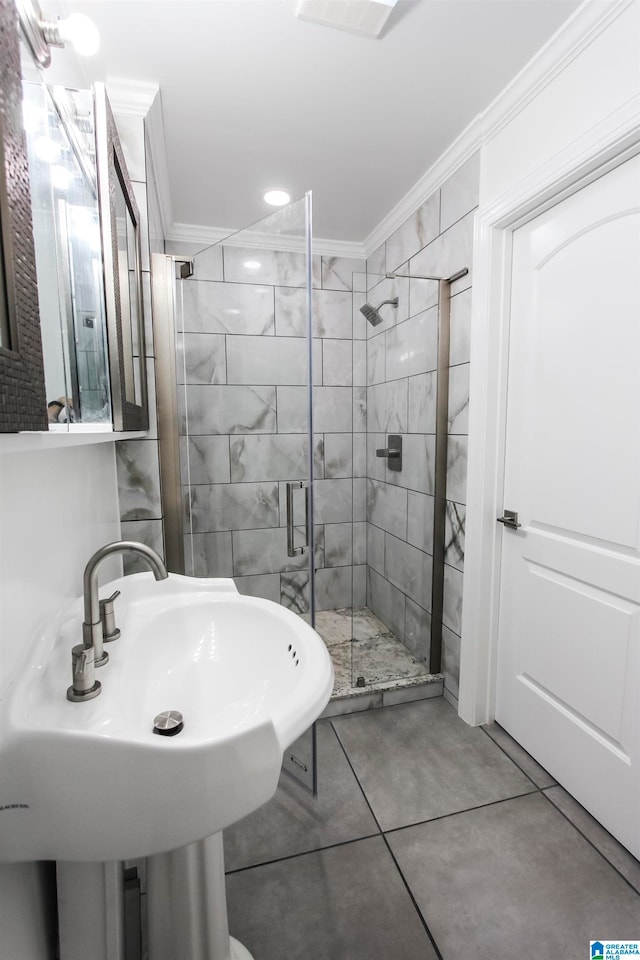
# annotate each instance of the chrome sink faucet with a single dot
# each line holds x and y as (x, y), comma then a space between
(90, 653)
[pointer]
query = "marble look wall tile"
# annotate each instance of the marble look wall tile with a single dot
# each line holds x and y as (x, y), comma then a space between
(138, 479)
(450, 252)
(266, 586)
(332, 409)
(293, 409)
(359, 363)
(375, 548)
(337, 272)
(331, 311)
(460, 323)
(454, 535)
(376, 466)
(451, 661)
(252, 265)
(294, 591)
(207, 263)
(360, 282)
(338, 544)
(457, 469)
(201, 358)
(263, 551)
(459, 399)
(360, 325)
(338, 455)
(265, 360)
(412, 346)
(359, 499)
(387, 602)
(337, 363)
(423, 294)
(230, 409)
(359, 581)
(387, 290)
(318, 456)
(233, 506)
(417, 634)
(375, 362)
(418, 463)
(359, 409)
(360, 542)
(452, 599)
(409, 569)
(387, 507)
(387, 407)
(204, 459)
(461, 192)
(420, 521)
(415, 233)
(143, 531)
(376, 263)
(422, 403)
(333, 501)
(359, 454)
(334, 588)
(208, 554)
(240, 308)
(259, 457)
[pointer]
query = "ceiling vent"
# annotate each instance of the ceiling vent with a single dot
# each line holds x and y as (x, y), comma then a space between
(366, 17)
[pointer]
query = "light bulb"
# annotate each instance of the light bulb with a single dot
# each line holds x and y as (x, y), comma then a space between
(81, 32)
(277, 198)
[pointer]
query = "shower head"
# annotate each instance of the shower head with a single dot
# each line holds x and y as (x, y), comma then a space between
(373, 313)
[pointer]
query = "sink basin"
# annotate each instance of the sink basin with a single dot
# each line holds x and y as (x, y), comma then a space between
(91, 781)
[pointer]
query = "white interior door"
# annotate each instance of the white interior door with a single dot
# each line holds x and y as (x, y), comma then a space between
(568, 685)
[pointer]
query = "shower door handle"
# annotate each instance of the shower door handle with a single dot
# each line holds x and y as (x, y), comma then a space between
(292, 550)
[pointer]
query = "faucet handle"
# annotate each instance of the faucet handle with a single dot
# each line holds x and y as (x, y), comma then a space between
(108, 619)
(83, 671)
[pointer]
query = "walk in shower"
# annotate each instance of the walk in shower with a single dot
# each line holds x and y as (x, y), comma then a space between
(287, 397)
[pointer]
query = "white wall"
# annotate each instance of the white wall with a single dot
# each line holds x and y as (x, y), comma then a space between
(57, 506)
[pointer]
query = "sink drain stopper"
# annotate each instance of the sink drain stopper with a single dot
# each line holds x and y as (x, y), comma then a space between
(168, 723)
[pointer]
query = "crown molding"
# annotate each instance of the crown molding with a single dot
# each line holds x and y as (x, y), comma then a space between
(574, 36)
(131, 98)
(189, 233)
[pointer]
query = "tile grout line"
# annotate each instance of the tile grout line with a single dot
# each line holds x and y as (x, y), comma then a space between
(542, 790)
(386, 843)
(589, 841)
(301, 853)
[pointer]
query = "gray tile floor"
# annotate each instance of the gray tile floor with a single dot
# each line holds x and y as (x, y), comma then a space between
(429, 839)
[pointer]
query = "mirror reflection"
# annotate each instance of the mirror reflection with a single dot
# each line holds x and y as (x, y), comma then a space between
(60, 141)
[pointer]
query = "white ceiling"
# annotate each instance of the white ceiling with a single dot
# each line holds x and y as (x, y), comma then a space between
(254, 98)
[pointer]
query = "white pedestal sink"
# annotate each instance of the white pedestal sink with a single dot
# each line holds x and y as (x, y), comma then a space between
(91, 781)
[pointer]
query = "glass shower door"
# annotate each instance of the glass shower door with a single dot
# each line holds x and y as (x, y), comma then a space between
(244, 370)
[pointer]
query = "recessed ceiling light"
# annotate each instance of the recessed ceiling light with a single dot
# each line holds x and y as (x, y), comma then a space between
(277, 198)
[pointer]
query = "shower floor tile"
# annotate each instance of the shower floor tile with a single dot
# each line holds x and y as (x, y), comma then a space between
(361, 645)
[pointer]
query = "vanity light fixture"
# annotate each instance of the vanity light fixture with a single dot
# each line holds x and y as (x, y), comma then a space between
(42, 34)
(277, 198)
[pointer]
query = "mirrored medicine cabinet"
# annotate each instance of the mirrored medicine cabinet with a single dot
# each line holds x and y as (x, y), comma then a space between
(86, 228)
(79, 274)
